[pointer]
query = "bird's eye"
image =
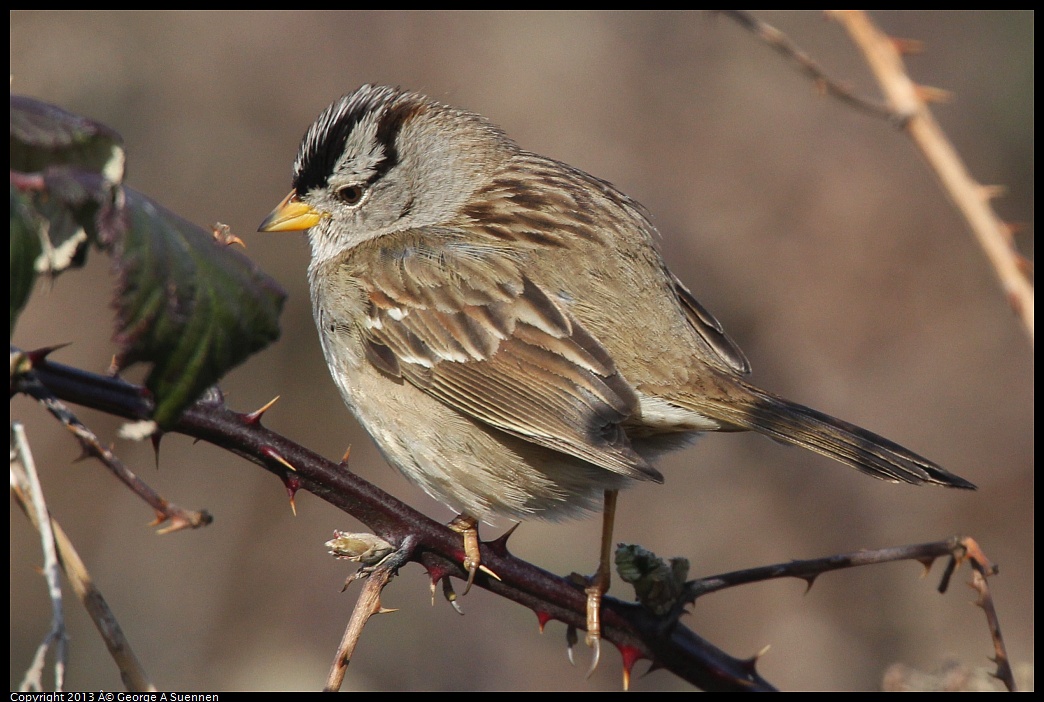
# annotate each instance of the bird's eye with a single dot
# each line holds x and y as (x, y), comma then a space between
(350, 194)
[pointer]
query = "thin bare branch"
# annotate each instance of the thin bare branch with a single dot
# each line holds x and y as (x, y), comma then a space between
(907, 107)
(981, 570)
(782, 44)
(369, 603)
(26, 484)
(809, 570)
(131, 671)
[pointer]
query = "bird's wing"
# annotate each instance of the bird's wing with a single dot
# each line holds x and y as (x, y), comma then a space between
(721, 351)
(462, 323)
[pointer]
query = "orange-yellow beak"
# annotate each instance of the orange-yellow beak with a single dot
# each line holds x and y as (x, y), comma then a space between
(290, 215)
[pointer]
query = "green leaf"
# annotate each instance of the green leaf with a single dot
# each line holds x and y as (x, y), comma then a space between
(44, 136)
(25, 250)
(67, 169)
(188, 304)
(191, 307)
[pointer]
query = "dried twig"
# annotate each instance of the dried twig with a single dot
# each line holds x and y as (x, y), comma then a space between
(955, 678)
(781, 43)
(131, 671)
(25, 484)
(971, 198)
(981, 570)
(960, 549)
(376, 576)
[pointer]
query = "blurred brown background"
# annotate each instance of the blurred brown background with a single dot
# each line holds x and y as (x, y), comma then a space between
(814, 233)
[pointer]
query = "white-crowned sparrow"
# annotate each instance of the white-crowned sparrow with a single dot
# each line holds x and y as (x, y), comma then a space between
(504, 327)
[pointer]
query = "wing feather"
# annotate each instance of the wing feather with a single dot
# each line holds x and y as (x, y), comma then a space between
(467, 327)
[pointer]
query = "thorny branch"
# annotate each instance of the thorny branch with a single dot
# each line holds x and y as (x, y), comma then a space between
(438, 549)
(633, 629)
(165, 511)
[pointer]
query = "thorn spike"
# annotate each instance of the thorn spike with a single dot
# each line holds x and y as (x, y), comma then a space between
(438, 572)
(630, 655)
(908, 47)
(223, 235)
(1015, 227)
(543, 618)
(255, 416)
(751, 664)
(931, 94)
(156, 437)
(177, 523)
(992, 192)
(489, 572)
(927, 563)
(499, 544)
(38, 356)
(270, 452)
(293, 484)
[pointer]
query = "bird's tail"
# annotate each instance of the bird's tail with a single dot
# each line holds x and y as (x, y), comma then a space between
(797, 425)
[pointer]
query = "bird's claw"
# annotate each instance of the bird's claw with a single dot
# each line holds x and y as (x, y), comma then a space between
(467, 527)
(594, 591)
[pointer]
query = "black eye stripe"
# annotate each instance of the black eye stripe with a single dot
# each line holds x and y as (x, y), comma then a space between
(388, 132)
(324, 142)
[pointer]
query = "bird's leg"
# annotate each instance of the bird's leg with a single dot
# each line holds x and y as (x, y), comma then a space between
(598, 584)
(468, 528)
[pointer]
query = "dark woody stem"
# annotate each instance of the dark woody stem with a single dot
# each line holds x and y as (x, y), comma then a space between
(635, 631)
